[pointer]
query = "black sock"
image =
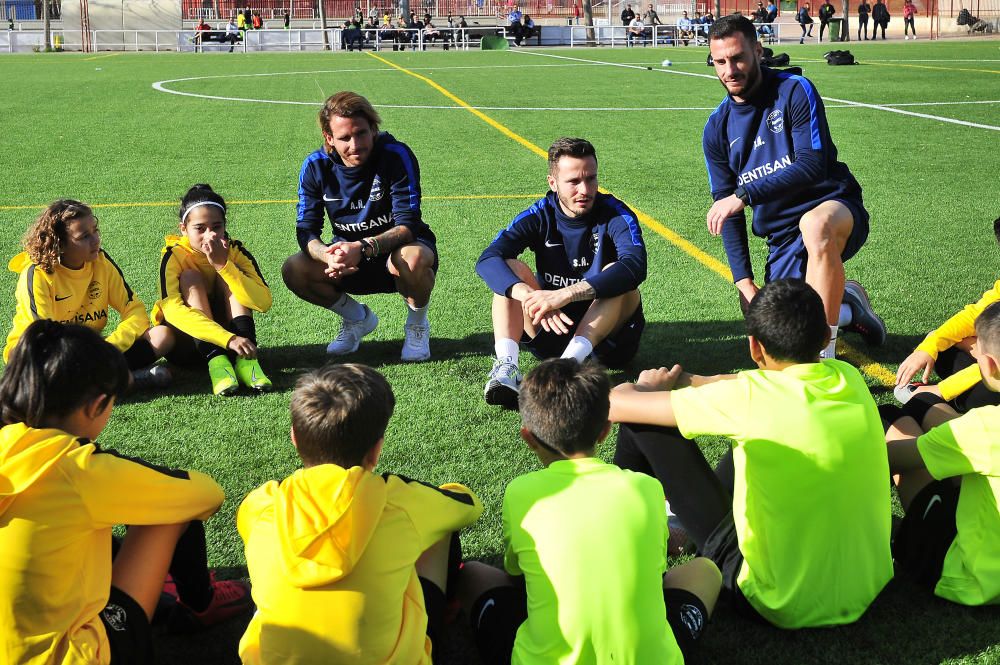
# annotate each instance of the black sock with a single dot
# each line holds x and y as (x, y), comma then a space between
(189, 568)
(140, 354)
(208, 350)
(244, 327)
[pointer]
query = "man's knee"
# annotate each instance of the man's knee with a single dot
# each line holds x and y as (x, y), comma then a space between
(295, 270)
(415, 258)
(826, 228)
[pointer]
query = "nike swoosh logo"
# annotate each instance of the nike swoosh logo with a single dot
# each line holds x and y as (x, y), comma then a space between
(487, 605)
(930, 504)
(327, 198)
(253, 375)
(553, 244)
(734, 141)
(63, 298)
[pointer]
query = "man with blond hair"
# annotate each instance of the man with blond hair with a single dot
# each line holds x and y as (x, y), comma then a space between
(368, 184)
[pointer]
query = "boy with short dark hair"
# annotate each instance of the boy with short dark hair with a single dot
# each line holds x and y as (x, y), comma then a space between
(586, 543)
(949, 484)
(350, 566)
(797, 516)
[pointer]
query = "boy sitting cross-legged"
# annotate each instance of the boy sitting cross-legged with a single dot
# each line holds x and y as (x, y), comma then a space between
(798, 514)
(585, 546)
(949, 484)
(351, 567)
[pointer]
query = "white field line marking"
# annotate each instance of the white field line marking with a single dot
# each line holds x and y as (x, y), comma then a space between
(848, 102)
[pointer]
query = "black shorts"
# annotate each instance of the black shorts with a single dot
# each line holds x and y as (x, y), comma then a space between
(128, 630)
(495, 617)
(184, 353)
(723, 548)
(926, 533)
(373, 275)
(614, 351)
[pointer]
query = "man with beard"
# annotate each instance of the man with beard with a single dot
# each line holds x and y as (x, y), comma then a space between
(768, 146)
(583, 296)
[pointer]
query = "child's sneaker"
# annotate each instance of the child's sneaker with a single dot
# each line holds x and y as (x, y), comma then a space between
(152, 377)
(250, 374)
(229, 598)
(905, 393)
(223, 376)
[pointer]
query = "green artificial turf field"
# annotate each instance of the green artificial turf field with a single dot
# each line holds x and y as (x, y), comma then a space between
(95, 128)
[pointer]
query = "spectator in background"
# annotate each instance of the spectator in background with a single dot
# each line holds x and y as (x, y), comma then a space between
(650, 18)
(804, 19)
(287, 20)
(685, 28)
(864, 9)
(909, 11)
(247, 20)
(430, 32)
(201, 31)
(636, 30)
(528, 28)
(772, 12)
(256, 22)
(880, 18)
(576, 13)
(826, 12)
(627, 15)
(241, 22)
(232, 32)
(514, 24)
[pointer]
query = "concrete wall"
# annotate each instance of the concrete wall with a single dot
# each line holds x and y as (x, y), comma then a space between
(127, 14)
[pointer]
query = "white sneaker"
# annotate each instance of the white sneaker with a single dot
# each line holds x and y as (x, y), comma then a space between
(504, 384)
(349, 338)
(416, 342)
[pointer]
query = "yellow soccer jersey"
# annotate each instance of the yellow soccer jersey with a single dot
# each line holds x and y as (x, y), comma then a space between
(331, 554)
(76, 296)
(59, 498)
(240, 273)
(953, 331)
(969, 447)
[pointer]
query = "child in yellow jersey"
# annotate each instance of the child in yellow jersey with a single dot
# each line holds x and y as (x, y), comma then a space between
(348, 566)
(951, 349)
(64, 598)
(949, 484)
(210, 285)
(66, 276)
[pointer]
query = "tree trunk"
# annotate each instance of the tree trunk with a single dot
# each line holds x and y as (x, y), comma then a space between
(46, 25)
(845, 27)
(322, 22)
(588, 20)
(718, 9)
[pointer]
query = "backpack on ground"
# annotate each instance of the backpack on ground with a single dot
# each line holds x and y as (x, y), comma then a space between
(839, 58)
(780, 60)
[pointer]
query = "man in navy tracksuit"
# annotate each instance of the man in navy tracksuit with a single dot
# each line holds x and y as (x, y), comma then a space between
(768, 146)
(583, 297)
(368, 184)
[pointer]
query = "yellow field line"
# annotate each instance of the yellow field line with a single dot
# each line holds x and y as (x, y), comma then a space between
(165, 204)
(100, 57)
(863, 362)
(947, 69)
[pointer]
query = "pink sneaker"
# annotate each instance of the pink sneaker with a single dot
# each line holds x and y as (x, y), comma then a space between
(230, 598)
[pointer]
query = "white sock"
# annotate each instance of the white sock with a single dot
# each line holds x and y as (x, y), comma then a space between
(506, 348)
(846, 315)
(578, 348)
(349, 308)
(416, 315)
(831, 349)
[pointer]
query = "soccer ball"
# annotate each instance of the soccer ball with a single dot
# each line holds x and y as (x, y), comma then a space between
(667, 63)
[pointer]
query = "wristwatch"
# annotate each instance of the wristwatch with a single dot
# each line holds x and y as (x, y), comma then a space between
(741, 193)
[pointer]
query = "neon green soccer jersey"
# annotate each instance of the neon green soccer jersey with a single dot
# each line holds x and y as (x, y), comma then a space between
(969, 447)
(811, 501)
(590, 540)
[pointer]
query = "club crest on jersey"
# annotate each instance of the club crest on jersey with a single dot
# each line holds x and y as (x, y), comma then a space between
(94, 290)
(376, 191)
(776, 121)
(595, 242)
